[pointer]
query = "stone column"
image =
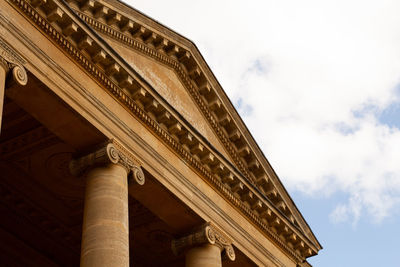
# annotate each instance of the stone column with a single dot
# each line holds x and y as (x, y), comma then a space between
(203, 247)
(105, 232)
(206, 255)
(10, 61)
(3, 75)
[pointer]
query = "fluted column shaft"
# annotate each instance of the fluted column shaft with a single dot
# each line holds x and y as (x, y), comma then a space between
(105, 236)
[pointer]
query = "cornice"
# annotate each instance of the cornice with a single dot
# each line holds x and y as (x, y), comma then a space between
(83, 46)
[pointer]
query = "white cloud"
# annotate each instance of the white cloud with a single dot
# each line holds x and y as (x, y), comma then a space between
(301, 71)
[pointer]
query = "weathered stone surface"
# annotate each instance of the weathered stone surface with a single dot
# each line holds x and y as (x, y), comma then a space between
(105, 232)
(167, 84)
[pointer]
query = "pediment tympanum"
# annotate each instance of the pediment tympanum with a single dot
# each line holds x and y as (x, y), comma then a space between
(165, 81)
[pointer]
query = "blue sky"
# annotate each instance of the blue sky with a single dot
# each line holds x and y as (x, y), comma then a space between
(390, 115)
(365, 244)
(318, 85)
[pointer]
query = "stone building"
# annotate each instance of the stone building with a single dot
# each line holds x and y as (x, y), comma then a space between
(118, 147)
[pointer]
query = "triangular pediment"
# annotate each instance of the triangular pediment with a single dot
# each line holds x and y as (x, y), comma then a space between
(167, 83)
(163, 80)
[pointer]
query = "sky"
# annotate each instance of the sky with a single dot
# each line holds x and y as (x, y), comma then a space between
(318, 85)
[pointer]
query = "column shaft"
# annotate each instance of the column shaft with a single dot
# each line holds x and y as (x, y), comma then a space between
(10, 61)
(204, 256)
(3, 75)
(105, 233)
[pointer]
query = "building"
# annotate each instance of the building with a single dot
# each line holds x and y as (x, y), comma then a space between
(114, 124)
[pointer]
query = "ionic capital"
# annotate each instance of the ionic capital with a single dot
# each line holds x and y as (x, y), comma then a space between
(206, 234)
(109, 153)
(11, 61)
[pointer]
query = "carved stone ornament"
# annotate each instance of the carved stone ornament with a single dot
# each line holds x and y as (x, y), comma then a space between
(110, 153)
(207, 234)
(10, 60)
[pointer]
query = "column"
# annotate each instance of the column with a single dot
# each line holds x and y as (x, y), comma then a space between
(3, 75)
(105, 232)
(204, 247)
(9, 60)
(206, 255)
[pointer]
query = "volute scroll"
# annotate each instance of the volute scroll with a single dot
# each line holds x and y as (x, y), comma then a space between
(206, 234)
(109, 153)
(11, 61)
